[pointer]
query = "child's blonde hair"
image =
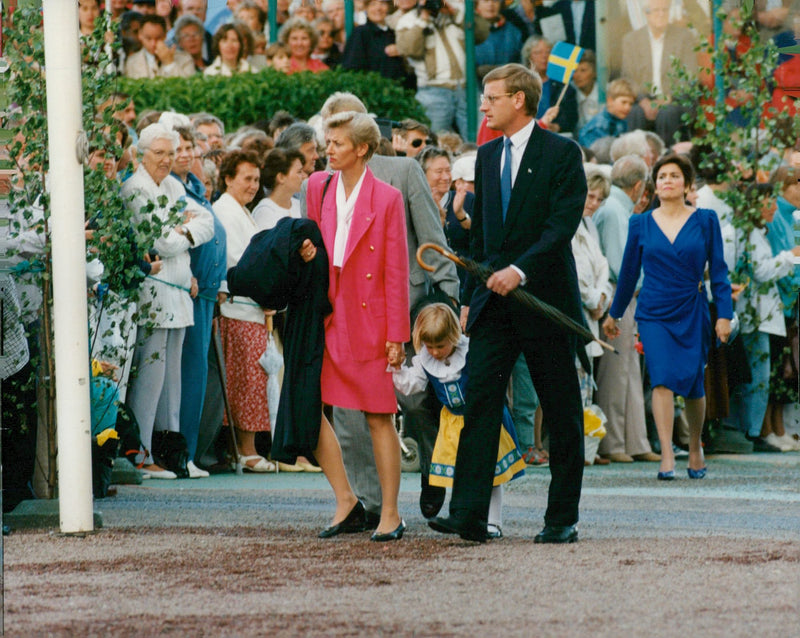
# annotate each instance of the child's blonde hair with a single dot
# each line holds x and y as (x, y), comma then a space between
(619, 87)
(435, 323)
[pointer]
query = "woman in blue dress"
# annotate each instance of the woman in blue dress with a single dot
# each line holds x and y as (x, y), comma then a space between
(672, 245)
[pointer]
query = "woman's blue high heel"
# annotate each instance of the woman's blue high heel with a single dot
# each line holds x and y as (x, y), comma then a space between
(697, 474)
(666, 476)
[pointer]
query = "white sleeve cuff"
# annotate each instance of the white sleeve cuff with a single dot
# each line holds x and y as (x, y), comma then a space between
(524, 278)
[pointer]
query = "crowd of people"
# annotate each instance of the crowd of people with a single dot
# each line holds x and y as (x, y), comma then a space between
(623, 202)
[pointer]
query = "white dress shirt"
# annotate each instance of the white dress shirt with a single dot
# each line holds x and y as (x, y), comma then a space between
(519, 141)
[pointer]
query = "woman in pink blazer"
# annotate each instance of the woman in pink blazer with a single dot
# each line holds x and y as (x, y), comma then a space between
(362, 221)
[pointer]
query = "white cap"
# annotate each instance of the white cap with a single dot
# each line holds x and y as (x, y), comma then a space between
(464, 168)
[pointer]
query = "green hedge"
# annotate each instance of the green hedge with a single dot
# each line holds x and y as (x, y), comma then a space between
(244, 99)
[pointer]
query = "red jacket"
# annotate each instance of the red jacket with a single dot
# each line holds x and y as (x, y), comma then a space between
(374, 273)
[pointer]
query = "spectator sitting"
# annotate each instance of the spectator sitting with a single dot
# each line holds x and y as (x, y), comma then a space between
(647, 55)
(326, 50)
(303, 9)
(230, 48)
(278, 57)
(129, 25)
(535, 54)
(371, 46)
(167, 10)
(145, 7)
(190, 37)
(300, 37)
(579, 22)
(156, 59)
(334, 11)
(253, 16)
(504, 42)
(610, 122)
(584, 79)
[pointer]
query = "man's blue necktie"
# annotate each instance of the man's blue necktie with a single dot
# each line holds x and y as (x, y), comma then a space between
(505, 178)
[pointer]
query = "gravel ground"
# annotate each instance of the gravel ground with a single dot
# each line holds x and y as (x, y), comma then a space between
(237, 556)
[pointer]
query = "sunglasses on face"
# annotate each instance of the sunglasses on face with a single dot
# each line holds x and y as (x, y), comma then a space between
(418, 142)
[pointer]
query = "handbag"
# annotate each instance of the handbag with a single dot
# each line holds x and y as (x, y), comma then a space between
(171, 452)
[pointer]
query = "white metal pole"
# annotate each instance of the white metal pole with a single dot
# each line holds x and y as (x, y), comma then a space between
(62, 61)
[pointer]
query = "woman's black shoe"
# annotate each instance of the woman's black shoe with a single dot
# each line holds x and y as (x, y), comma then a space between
(394, 535)
(353, 523)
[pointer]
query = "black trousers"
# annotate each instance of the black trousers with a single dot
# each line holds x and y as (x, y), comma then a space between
(502, 331)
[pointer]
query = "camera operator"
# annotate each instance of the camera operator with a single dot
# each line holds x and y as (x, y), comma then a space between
(432, 38)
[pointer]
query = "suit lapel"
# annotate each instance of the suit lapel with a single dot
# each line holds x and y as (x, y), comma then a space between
(525, 177)
(363, 215)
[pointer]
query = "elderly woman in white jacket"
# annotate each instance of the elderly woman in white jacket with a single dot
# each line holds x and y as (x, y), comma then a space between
(761, 314)
(592, 267)
(165, 304)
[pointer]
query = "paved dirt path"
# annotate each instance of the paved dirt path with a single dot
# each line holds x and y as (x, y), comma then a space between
(704, 558)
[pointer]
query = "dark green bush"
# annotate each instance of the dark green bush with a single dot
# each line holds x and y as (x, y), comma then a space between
(244, 99)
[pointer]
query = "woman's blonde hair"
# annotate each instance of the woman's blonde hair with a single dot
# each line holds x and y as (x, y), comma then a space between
(362, 129)
(436, 323)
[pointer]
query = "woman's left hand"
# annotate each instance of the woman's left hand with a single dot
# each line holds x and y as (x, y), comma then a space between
(395, 354)
(723, 329)
(308, 251)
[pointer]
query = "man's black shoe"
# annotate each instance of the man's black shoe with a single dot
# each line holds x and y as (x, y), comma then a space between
(468, 530)
(553, 534)
(431, 499)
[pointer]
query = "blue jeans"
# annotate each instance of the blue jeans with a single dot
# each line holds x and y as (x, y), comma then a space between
(444, 107)
(749, 400)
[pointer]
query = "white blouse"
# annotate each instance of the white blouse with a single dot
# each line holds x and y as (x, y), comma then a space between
(239, 228)
(170, 307)
(267, 213)
(345, 206)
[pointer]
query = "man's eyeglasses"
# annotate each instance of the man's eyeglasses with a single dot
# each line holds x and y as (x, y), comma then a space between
(416, 143)
(491, 99)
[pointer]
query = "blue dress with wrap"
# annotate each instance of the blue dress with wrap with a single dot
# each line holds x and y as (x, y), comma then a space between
(672, 308)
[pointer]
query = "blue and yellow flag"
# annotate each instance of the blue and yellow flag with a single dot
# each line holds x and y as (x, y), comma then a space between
(563, 61)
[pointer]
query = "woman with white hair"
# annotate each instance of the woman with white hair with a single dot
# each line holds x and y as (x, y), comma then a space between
(165, 304)
(362, 222)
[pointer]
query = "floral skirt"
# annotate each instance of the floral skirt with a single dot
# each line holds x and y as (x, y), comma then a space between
(243, 343)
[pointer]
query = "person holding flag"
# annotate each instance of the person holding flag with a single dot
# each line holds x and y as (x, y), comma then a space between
(555, 66)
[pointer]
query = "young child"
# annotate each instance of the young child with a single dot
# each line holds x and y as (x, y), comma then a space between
(278, 57)
(441, 361)
(610, 122)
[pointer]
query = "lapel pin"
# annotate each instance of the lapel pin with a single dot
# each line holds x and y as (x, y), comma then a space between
(530, 171)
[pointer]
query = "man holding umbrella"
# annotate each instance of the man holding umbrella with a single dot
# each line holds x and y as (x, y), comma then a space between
(529, 194)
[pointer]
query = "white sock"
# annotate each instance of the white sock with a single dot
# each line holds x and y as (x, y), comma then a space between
(496, 506)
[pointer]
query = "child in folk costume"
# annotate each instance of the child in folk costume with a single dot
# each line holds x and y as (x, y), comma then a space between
(441, 361)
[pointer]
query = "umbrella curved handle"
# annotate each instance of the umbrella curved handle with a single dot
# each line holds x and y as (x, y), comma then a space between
(439, 249)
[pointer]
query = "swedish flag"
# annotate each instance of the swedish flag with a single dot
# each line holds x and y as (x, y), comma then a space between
(563, 61)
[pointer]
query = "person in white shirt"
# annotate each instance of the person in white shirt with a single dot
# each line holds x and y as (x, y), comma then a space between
(165, 304)
(283, 175)
(156, 59)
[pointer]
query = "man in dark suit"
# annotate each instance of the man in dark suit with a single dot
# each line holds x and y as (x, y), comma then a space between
(529, 194)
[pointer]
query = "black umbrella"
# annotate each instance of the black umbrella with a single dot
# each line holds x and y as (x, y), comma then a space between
(483, 273)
